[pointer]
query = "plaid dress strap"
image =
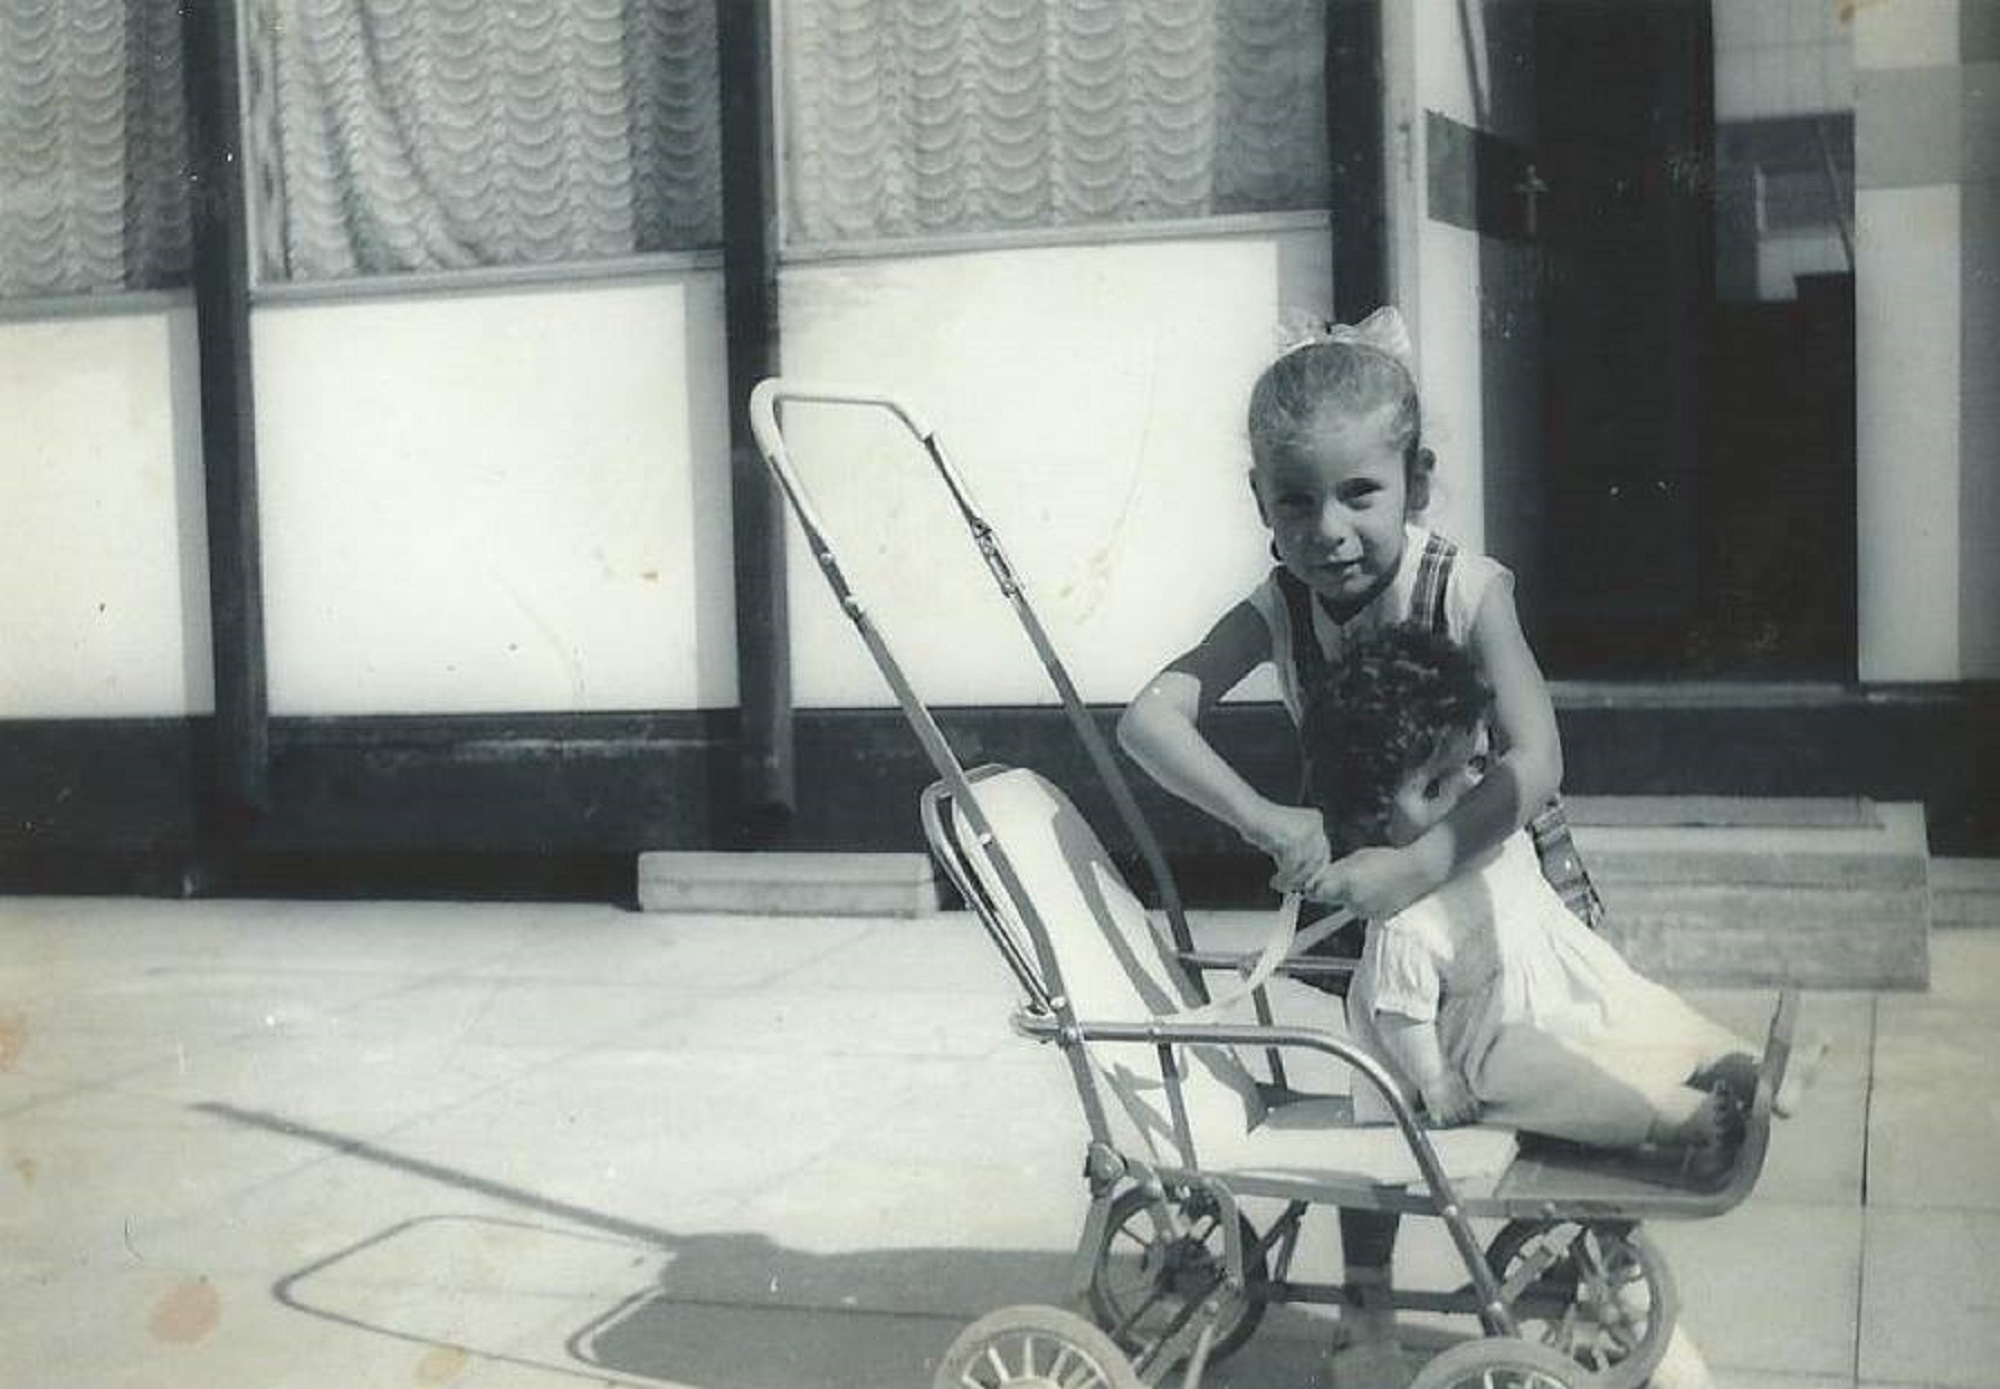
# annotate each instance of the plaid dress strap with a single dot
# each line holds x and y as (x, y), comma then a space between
(1427, 595)
(1308, 660)
(1549, 830)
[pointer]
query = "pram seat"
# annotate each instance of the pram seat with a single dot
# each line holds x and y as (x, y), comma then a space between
(1113, 965)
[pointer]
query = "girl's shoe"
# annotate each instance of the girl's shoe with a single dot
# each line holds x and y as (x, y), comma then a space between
(1367, 1353)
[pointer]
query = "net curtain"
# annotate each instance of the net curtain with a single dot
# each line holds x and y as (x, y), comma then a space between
(93, 147)
(914, 117)
(403, 135)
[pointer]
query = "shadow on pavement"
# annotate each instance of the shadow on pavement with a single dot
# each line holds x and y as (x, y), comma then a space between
(731, 1310)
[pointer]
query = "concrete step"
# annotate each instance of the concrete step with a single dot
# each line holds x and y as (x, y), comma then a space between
(1826, 900)
(1725, 812)
(788, 883)
(1832, 893)
(1965, 892)
(1885, 849)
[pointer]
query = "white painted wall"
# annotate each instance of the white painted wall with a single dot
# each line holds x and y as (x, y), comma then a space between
(103, 567)
(1449, 381)
(1453, 76)
(497, 501)
(519, 500)
(1909, 379)
(1907, 431)
(1093, 398)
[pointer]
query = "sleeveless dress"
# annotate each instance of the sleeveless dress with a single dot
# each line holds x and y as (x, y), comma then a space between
(1540, 1016)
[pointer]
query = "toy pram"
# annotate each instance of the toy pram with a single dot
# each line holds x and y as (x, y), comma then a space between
(1172, 1270)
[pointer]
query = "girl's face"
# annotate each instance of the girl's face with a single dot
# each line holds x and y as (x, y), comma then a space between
(1336, 505)
(1428, 794)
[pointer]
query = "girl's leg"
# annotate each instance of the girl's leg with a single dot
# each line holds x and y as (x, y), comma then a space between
(1369, 1356)
(1368, 1238)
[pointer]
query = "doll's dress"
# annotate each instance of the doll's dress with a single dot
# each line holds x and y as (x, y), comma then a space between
(1544, 1020)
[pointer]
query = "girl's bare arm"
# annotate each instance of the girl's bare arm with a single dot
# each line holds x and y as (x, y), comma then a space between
(1528, 768)
(1524, 773)
(1161, 731)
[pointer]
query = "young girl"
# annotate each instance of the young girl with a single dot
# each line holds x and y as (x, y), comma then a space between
(1340, 473)
(1487, 997)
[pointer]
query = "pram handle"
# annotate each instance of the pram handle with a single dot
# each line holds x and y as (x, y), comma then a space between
(769, 434)
(766, 394)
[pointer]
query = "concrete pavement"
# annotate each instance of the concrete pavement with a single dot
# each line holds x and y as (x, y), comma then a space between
(280, 1143)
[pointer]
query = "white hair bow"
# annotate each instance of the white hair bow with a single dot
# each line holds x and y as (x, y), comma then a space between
(1382, 330)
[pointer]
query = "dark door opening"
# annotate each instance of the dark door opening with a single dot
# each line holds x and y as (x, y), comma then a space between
(1697, 480)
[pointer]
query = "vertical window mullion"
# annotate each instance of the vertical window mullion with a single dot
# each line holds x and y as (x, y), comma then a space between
(221, 276)
(764, 784)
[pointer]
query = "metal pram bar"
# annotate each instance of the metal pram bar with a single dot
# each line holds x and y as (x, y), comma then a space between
(765, 399)
(1445, 1203)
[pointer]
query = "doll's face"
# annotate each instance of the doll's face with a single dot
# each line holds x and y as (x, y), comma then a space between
(1428, 794)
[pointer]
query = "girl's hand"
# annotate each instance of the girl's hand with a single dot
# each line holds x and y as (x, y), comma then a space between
(1449, 1101)
(1374, 884)
(1295, 838)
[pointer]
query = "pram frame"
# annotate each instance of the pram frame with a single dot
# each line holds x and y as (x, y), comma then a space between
(1543, 1189)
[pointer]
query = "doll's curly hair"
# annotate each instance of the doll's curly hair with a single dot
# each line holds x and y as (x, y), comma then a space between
(1377, 714)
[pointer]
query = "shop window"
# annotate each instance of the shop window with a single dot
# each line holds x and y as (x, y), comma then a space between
(392, 136)
(93, 148)
(908, 120)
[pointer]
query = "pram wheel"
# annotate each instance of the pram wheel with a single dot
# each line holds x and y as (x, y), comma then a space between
(1499, 1362)
(1599, 1294)
(1034, 1347)
(1145, 1275)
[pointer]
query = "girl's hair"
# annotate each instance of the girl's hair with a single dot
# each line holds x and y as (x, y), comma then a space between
(1338, 376)
(1377, 714)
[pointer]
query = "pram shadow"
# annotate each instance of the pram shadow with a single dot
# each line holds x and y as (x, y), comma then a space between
(573, 1292)
(838, 1330)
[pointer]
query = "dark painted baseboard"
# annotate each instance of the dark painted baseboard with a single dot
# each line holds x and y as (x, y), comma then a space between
(557, 805)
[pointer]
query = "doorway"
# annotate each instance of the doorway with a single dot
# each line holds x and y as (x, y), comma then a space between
(1691, 485)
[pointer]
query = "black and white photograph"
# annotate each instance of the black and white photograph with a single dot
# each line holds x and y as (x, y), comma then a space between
(1000, 694)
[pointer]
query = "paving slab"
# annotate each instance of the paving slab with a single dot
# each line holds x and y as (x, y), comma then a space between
(1930, 1313)
(1771, 1287)
(681, 956)
(796, 1017)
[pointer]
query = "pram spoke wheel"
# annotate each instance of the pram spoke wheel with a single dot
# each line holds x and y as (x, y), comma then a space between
(1499, 1362)
(1600, 1295)
(1145, 1275)
(1034, 1347)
